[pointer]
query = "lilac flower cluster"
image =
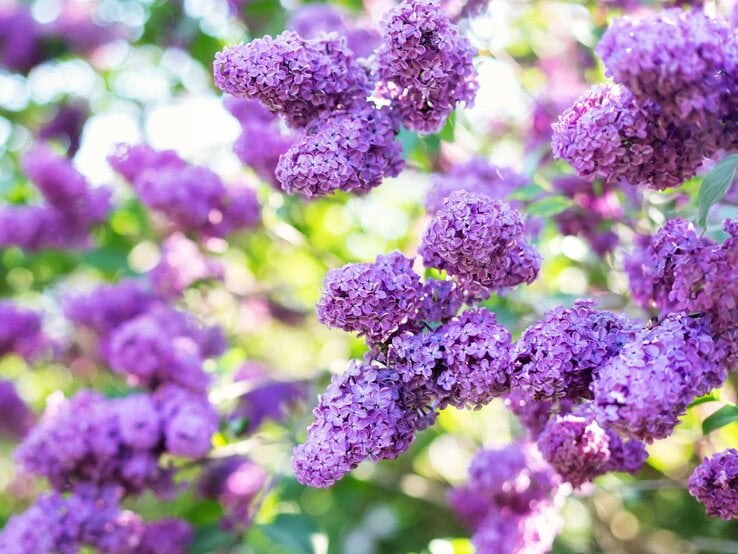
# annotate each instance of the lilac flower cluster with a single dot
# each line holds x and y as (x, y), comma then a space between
(65, 125)
(236, 483)
(90, 517)
(511, 501)
(579, 449)
(477, 176)
(714, 483)
(560, 355)
(350, 150)
(71, 209)
(363, 414)
(673, 104)
(372, 299)
(181, 264)
(643, 390)
(425, 65)
(292, 76)
(192, 198)
(480, 242)
(21, 332)
(17, 417)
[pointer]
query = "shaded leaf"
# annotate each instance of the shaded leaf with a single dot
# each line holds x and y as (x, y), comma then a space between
(721, 418)
(549, 206)
(714, 186)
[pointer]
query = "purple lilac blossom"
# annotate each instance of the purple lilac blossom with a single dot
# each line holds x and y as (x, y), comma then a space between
(189, 420)
(373, 299)
(292, 76)
(16, 418)
(561, 354)
(676, 58)
(478, 176)
(579, 449)
(643, 390)
(236, 483)
(533, 414)
(610, 134)
(192, 198)
(262, 141)
(350, 150)
(166, 536)
(506, 532)
(20, 38)
(714, 483)
(21, 332)
(480, 242)
(439, 302)
(362, 415)
(425, 65)
(181, 264)
(66, 124)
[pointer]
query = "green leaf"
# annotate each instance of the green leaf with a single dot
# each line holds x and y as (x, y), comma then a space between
(293, 531)
(704, 399)
(724, 416)
(714, 186)
(549, 206)
(448, 131)
(526, 193)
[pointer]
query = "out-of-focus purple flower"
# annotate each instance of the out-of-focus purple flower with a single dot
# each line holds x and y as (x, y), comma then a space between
(21, 332)
(714, 483)
(17, 418)
(262, 141)
(480, 242)
(165, 536)
(373, 299)
(643, 390)
(20, 37)
(269, 399)
(478, 176)
(292, 76)
(425, 65)
(362, 415)
(477, 353)
(79, 29)
(236, 483)
(189, 421)
(560, 355)
(66, 125)
(192, 198)
(181, 265)
(506, 532)
(676, 58)
(351, 150)
(610, 134)
(579, 449)
(533, 414)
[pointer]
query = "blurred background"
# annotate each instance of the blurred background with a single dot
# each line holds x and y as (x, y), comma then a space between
(92, 74)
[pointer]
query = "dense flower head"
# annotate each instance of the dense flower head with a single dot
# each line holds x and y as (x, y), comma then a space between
(373, 299)
(189, 420)
(236, 483)
(192, 198)
(107, 306)
(477, 175)
(610, 134)
(17, 417)
(714, 483)
(480, 242)
(262, 141)
(362, 415)
(90, 517)
(163, 346)
(267, 399)
(561, 354)
(425, 65)
(477, 355)
(579, 449)
(676, 58)
(21, 332)
(507, 532)
(181, 264)
(653, 265)
(439, 302)
(292, 76)
(643, 390)
(350, 150)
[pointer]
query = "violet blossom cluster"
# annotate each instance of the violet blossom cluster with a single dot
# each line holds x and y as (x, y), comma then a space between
(192, 198)
(21, 332)
(714, 483)
(480, 242)
(17, 416)
(181, 264)
(70, 210)
(90, 517)
(425, 65)
(672, 105)
(511, 501)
